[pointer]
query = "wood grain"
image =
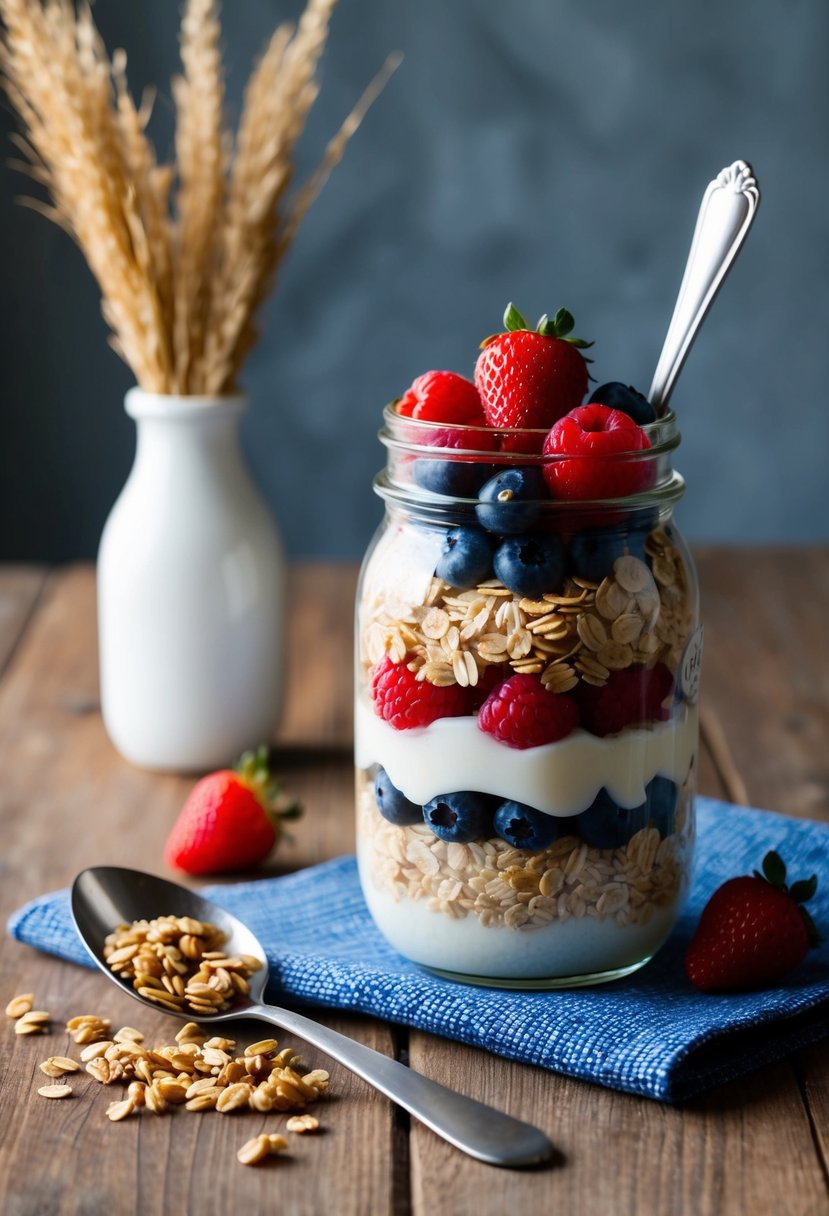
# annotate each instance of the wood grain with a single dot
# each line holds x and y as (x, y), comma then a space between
(766, 670)
(745, 1149)
(768, 688)
(67, 800)
(20, 587)
(813, 1073)
(320, 658)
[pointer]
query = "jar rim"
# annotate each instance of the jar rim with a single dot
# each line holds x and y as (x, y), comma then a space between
(398, 430)
(399, 435)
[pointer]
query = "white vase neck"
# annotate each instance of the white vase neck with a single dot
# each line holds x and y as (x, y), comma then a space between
(170, 407)
(177, 437)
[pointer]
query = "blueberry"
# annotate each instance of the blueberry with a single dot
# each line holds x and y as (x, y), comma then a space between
(530, 565)
(662, 795)
(625, 397)
(455, 478)
(593, 552)
(606, 825)
(524, 827)
(511, 501)
(460, 817)
(466, 557)
(393, 804)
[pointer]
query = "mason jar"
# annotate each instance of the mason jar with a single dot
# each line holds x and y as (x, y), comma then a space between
(526, 723)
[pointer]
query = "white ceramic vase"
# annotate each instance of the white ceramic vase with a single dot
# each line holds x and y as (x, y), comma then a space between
(191, 580)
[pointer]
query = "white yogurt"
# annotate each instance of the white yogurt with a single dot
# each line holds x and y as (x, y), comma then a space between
(558, 778)
(579, 947)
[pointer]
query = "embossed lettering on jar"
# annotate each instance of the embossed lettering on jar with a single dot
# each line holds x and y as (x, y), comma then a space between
(526, 712)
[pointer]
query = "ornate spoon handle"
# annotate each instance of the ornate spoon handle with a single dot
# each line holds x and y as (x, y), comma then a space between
(725, 216)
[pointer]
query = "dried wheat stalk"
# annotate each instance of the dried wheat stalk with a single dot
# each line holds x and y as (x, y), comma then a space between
(184, 254)
(201, 161)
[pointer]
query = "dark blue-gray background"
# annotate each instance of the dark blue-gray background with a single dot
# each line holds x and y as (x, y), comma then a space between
(546, 151)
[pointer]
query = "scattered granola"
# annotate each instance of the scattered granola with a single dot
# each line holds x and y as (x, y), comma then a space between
(202, 1073)
(55, 1091)
(301, 1124)
(19, 1005)
(256, 1150)
(116, 1111)
(197, 1071)
(88, 1027)
(58, 1066)
(34, 1021)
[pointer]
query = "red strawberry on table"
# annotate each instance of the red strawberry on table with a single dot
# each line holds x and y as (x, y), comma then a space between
(596, 440)
(531, 378)
(752, 931)
(230, 820)
(442, 397)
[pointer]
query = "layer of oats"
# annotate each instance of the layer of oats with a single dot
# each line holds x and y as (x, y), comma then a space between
(523, 890)
(640, 613)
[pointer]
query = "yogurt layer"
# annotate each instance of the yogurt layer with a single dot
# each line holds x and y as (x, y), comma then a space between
(578, 948)
(559, 779)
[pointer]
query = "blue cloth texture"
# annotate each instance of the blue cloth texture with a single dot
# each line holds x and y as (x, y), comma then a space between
(650, 1034)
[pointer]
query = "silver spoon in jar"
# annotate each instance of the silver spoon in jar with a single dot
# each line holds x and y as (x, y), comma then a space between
(106, 896)
(726, 213)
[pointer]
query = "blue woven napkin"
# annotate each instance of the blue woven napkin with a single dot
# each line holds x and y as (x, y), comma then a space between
(650, 1034)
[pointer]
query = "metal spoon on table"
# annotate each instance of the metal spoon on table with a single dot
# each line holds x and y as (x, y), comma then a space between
(726, 213)
(106, 896)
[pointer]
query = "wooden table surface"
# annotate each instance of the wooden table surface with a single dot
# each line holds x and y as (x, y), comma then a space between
(67, 800)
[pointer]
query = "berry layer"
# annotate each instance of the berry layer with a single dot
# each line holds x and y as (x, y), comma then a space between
(560, 779)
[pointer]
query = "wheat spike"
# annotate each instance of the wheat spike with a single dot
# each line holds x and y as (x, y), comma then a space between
(184, 254)
(201, 158)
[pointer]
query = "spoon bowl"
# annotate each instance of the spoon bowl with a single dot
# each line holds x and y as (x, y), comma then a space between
(104, 897)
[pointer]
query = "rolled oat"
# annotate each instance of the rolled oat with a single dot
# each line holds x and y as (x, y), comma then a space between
(300, 1124)
(177, 963)
(19, 1005)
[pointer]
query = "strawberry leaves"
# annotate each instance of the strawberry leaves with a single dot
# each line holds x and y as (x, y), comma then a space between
(513, 319)
(774, 873)
(774, 870)
(254, 771)
(559, 326)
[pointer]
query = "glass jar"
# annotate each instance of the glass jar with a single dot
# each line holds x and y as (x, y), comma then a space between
(526, 708)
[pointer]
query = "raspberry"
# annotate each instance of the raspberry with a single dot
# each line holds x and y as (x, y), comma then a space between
(600, 441)
(489, 679)
(521, 713)
(406, 702)
(633, 695)
(443, 397)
